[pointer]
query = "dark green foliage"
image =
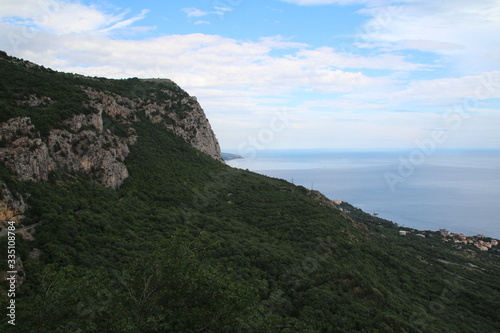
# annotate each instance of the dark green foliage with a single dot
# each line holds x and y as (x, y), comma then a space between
(61, 96)
(172, 290)
(188, 244)
(18, 84)
(117, 128)
(177, 291)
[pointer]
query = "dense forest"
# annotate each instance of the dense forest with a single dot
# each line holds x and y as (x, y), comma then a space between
(189, 244)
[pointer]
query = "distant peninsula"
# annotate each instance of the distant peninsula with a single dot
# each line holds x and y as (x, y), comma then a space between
(230, 156)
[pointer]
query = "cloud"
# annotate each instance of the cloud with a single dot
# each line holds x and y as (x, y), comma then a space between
(327, 55)
(60, 17)
(472, 87)
(195, 12)
(195, 60)
(465, 32)
(125, 23)
(222, 10)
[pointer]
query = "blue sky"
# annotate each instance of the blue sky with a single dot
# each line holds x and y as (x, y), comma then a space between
(358, 74)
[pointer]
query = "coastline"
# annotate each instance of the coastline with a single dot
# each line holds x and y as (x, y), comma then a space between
(453, 190)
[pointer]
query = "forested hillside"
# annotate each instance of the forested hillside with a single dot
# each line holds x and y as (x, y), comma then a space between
(185, 243)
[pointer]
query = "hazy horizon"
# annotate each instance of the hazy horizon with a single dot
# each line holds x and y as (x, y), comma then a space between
(455, 190)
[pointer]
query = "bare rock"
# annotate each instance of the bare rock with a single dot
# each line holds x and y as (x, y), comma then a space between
(23, 151)
(12, 207)
(83, 145)
(195, 129)
(94, 152)
(35, 101)
(193, 126)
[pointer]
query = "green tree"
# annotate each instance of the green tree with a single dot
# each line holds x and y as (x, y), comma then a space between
(176, 291)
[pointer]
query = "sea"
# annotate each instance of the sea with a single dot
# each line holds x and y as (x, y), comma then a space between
(449, 189)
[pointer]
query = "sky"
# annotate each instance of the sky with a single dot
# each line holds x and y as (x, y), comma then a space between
(283, 74)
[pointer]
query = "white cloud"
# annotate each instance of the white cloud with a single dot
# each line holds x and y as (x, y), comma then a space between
(466, 32)
(327, 55)
(222, 10)
(479, 87)
(195, 12)
(195, 61)
(60, 17)
(461, 32)
(125, 23)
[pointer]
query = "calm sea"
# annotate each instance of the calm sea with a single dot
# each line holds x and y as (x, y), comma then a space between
(455, 190)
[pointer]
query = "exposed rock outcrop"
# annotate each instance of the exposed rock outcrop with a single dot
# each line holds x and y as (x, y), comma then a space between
(82, 144)
(190, 123)
(23, 151)
(12, 208)
(92, 151)
(34, 100)
(195, 129)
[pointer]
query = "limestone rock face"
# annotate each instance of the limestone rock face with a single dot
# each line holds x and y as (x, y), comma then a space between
(93, 152)
(191, 123)
(118, 107)
(81, 144)
(23, 151)
(195, 128)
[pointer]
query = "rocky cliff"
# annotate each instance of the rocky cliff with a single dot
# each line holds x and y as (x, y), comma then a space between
(182, 115)
(87, 140)
(80, 148)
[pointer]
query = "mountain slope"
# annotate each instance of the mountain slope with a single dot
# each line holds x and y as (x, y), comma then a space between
(55, 122)
(185, 243)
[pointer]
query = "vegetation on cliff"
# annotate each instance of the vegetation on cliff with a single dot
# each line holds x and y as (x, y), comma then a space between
(188, 244)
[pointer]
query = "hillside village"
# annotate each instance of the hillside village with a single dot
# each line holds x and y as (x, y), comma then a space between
(479, 241)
